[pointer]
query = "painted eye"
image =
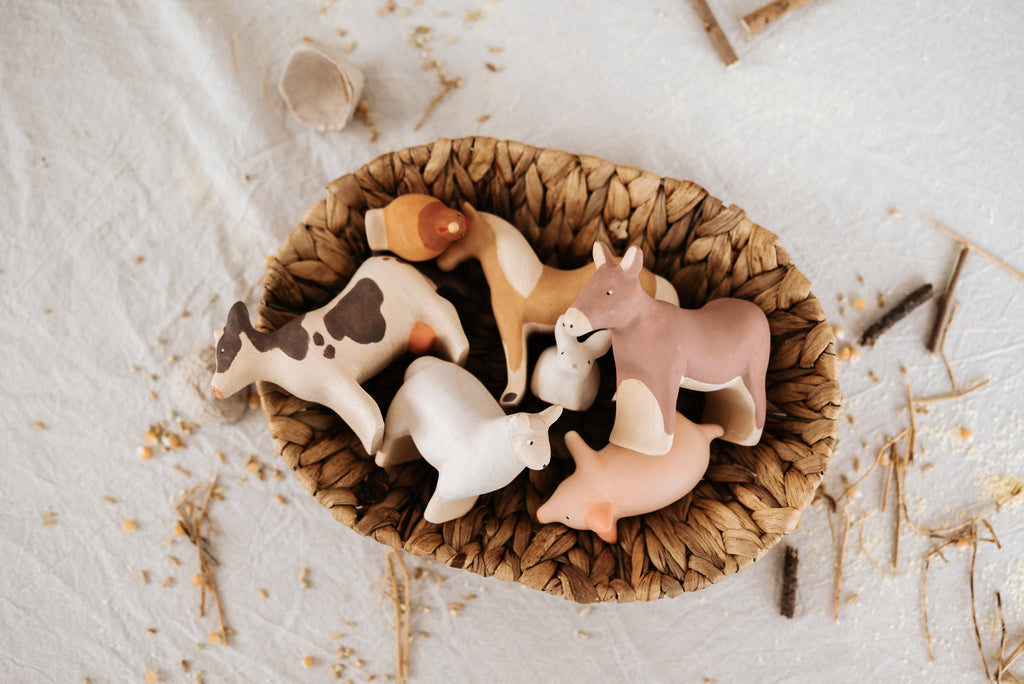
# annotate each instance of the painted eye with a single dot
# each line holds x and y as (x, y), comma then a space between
(568, 518)
(529, 442)
(609, 293)
(561, 353)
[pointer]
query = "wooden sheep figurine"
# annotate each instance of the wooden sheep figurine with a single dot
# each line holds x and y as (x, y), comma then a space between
(721, 348)
(387, 308)
(445, 414)
(415, 227)
(616, 482)
(567, 373)
(527, 296)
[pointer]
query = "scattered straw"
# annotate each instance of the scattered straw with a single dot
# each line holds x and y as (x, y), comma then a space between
(191, 519)
(966, 243)
(448, 86)
(403, 612)
(839, 567)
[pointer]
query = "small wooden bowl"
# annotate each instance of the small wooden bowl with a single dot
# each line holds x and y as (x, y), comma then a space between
(750, 497)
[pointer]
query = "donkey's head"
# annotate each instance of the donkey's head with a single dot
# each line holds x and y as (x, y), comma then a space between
(609, 300)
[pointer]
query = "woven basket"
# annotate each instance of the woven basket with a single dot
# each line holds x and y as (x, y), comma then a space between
(750, 497)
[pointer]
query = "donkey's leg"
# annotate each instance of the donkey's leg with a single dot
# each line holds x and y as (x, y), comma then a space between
(734, 408)
(640, 417)
(513, 340)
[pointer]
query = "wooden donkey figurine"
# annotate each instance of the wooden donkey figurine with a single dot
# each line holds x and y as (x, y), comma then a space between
(721, 348)
(616, 482)
(445, 414)
(387, 308)
(527, 296)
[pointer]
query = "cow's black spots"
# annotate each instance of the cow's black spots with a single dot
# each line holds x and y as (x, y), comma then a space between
(292, 338)
(329, 351)
(318, 339)
(357, 315)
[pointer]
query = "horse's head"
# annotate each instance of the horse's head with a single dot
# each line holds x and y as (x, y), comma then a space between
(473, 240)
(609, 300)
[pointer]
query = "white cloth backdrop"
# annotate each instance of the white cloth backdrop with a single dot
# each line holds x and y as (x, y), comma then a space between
(154, 130)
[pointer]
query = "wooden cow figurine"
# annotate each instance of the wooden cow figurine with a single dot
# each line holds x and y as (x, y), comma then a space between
(721, 348)
(526, 295)
(616, 482)
(415, 227)
(567, 374)
(324, 356)
(445, 414)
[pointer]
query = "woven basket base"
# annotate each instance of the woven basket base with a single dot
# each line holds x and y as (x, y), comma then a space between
(749, 498)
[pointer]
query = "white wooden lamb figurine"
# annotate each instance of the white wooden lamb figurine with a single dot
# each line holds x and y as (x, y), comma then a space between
(387, 308)
(445, 414)
(567, 374)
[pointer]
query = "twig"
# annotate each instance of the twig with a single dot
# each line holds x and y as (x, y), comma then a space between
(403, 613)
(938, 335)
(839, 568)
(770, 13)
(896, 314)
(192, 522)
(896, 509)
(966, 243)
(942, 347)
(787, 604)
(715, 33)
(888, 476)
(878, 459)
(924, 607)
(974, 614)
(954, 395)
(1002, 637)
(448, 85)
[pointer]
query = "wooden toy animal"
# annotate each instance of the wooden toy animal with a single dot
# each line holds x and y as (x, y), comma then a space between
(324, 356)
(721, 348)
(527, 296)
(567, 373)
(415, 227)
(616, 482)
(445, 414)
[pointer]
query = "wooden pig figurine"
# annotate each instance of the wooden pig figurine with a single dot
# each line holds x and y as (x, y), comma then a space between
(527, 296)
(415, 227)
(445, 414)
(721, 348)
(567, 374)
(616, 482)
(324, 356)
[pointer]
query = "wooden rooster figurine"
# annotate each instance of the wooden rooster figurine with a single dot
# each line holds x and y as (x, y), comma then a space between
(415, 227)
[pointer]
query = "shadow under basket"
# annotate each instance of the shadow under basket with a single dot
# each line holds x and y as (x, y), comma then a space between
(750, 497)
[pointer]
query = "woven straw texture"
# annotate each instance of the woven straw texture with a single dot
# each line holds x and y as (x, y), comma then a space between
(749, 498)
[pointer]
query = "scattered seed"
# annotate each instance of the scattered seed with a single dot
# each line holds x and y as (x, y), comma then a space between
(168, 582)
(214, 638)
(196, 580)
(472, 15)
(174, 560)
(303, 574)
(129, 525)
(582, 635)
(262, 593)
(859, 304)
(152, 677)
(184, 666)
(965, 433)
(281, 499)
(896, 213)
(307, 662)
(336, 636)
(492, 67)
(152, 395)
(851, 599)
(145, 453)
(927, 467)
(139, 259)
(179, 531)
(220, 457)
(454, 608)
(181, 470)
(143, 576)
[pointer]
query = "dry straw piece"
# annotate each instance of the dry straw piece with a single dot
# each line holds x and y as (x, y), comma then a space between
(751, 496)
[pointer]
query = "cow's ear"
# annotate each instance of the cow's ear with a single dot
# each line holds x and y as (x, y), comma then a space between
(602, 254)
(632, 262)
(238, 318)
(600, 517)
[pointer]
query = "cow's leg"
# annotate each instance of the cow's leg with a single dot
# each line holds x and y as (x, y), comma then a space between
(440, 509)
(398, 445)
(357, 408)
(453, 344)
(640, 417)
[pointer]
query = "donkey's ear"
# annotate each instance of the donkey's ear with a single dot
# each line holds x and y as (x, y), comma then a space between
(602, 254)
(632, 262)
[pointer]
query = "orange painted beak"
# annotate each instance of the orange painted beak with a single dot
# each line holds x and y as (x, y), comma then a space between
(216, 392)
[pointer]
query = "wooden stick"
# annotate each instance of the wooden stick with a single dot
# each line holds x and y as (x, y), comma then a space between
(448, 85)
(938, 335)
(974, 614)
(954, 395)
(715, 33)
(839, 569)
(1002, 638)
(787, 604)
(924, 607)
(770, 13)
(896, 314)
(942, 346)
(966, 243)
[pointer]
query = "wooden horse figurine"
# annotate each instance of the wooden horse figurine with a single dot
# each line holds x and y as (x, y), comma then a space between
(324, 356)
(415, 227)
(526, 295)
(567, 374)
(616, 482)
(445, 414)
(721, 348)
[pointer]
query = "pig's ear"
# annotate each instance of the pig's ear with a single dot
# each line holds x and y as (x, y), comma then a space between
(600, 518)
